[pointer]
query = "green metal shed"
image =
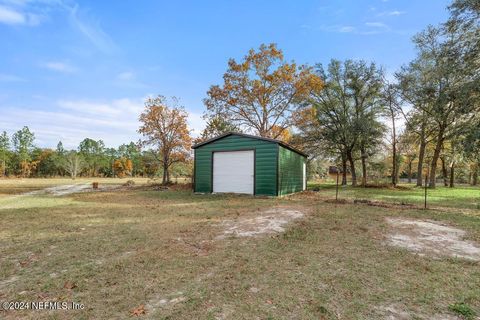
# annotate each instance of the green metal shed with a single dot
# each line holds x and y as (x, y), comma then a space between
(241, 163)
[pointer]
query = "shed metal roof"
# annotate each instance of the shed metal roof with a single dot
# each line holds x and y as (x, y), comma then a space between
(283, 144)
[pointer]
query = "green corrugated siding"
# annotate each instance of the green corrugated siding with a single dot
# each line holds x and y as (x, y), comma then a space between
(290, 177)
(265, 163)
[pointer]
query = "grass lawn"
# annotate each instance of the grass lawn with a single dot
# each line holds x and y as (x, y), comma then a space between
(114, 251)
(462, 196)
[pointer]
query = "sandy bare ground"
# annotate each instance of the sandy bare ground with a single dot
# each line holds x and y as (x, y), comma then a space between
(268, 222)
(431, 238)
(164, 302)
(67, 189)
(61, 190)
(399, 312)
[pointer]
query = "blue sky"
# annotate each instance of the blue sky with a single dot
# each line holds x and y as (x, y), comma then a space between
(71, 70)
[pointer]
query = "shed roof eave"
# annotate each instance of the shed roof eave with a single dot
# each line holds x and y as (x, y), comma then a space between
(283, 144)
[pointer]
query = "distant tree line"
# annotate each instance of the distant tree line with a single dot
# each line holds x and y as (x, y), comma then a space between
(20, 157)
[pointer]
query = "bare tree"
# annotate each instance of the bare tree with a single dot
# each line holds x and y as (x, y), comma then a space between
(73, 164)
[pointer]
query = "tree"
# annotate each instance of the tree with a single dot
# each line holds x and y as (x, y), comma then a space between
(59, 157)
(444, 91)
(4, 149)
(216, 126)
(347, 110)
(262, 91)
(131, 151)
(308, 137)
(408, 146)
(150, 163)
(391, 105)
(73, 163)
(23, 144)
(464, 26)
(123, 167)
(92, 152)
(182, 169)
(413, 88)
(365, 83)
(471, 147)
(164, 125)
(60, 149)
(108, 162)
(282, 134)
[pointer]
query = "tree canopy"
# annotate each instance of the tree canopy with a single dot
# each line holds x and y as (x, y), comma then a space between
(261, 92)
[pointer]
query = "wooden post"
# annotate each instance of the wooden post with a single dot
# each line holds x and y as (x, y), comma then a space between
(336, 191)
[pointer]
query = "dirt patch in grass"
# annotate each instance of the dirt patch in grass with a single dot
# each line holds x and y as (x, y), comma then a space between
(60, 190)
(164, 302)
(267, 222)
(399, 312)
(432, 238)
(374, 203)
(385, 204)
(5, 283)
(69, 189)
(394, 312)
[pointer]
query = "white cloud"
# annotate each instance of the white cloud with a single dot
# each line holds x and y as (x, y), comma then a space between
(339, 28)
(369, 28)
(10, 78)
(391, 13)
(129, 79)
(126, 76)
(11, 16)
(115, 122)
(376, 24)
(33, 12)
(59, 66)
(91, 30)
(346, 29)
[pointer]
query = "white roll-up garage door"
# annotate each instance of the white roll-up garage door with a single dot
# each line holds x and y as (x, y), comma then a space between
(233, 171)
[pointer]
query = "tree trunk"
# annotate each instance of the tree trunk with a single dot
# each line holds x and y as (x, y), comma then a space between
(436, 155)
(394, 167)
(444, 172)
(394, 149)
(165, 173)
(452, 174)
(475, 175)
(364, 167)
(344, 170)
(352, 168)
(4, 168)
(409, 171)
(421, 155)
(397, 174)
